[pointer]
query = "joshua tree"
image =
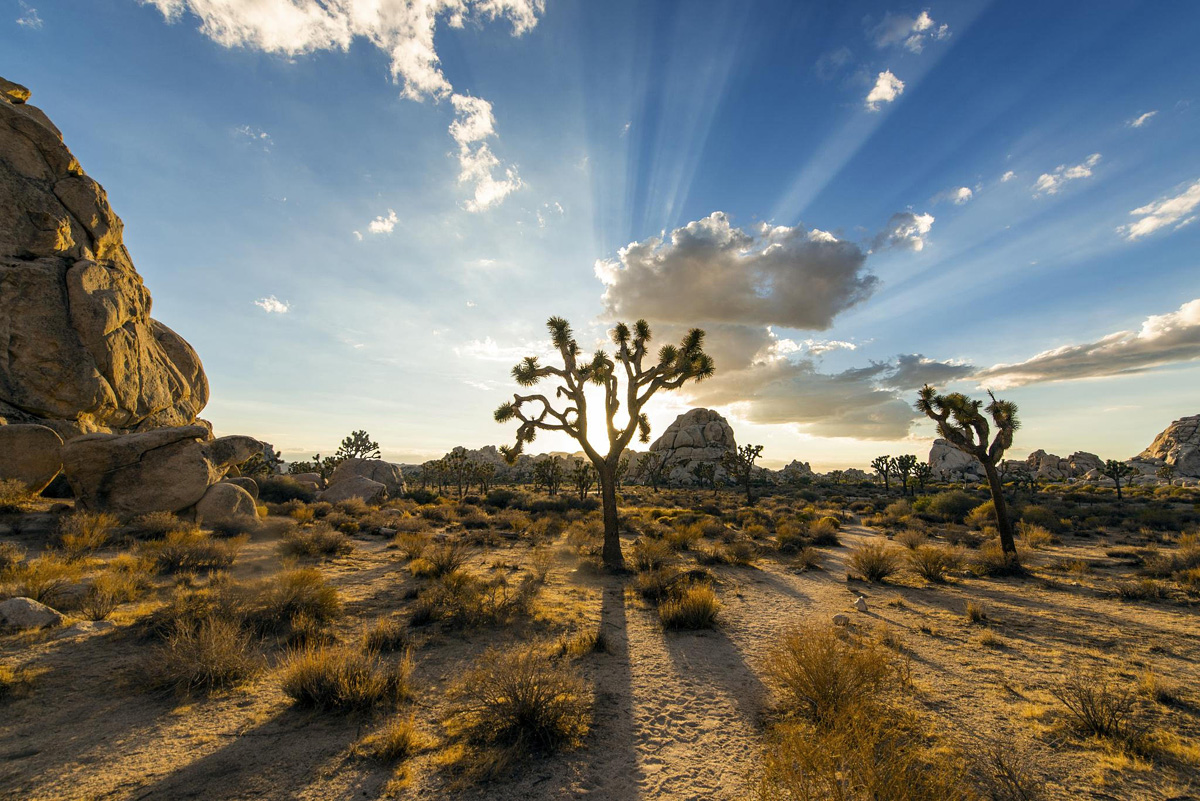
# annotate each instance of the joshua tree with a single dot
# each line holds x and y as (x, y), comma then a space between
(739, 463)
(1118, 471)
(836, 476)
(671, 369)
(264, 463)
(482, 473)
(922, 473)
(655, 467)
(548, 473)
(583, 476)
(622, 470)
(904, 466)
(706, 475)
(961, 422)
(1166, 472)
(358, 446)
(883, 465)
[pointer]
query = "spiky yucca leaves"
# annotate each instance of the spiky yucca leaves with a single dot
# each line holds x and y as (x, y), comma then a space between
(961, 421)
(1118, 472)
(674, 366)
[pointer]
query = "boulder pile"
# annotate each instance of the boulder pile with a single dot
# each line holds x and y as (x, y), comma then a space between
(697, 435)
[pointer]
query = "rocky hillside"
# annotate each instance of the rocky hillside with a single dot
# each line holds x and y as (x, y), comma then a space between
(80, 350)
(1178, 446)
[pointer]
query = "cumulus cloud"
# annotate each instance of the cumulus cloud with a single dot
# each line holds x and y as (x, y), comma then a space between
(1163, 339)
(272, 305)
(1008, 176)
(381, 224)
(886, 89)
(710, 271)
(957, 195)
(1169, 211)
(402, 29)
(1141, 119)
(29, 17)
(913, 33)
(905, 230)
(1050, 182)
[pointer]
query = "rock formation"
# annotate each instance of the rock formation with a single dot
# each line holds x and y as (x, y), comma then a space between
(377, 470)
(80, 351)
(1048, 467)
(30, 454)
(1178, 446)
(697, 435)
(951, 464)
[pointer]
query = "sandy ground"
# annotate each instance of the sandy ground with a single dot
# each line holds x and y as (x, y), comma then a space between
(677, 715)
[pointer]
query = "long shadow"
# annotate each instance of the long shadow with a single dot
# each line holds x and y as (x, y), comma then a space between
(712, 657)
(614, 729)
(779, 584)
(275, 759)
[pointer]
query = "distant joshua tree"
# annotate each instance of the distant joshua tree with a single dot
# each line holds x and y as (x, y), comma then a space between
(583, 476)
(961, 422)
(922, 474)
(904, 466)
(739, 464)
(1118, 471)
(548, 473)
(1166, 472)
(671, 369)
(358, 445)
(883, 465)
(482, 474)
(706, 475)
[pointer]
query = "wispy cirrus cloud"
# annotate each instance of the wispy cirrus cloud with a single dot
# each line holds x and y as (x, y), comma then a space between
(1168, 212)
(29, 17)
(1141, 119)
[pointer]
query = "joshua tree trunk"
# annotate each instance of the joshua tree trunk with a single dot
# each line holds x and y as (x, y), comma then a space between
(1003, 524)
(612, 532)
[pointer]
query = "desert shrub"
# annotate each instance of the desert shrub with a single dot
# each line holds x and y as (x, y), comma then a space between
(126, 579)
(741, 552)
(714, 555)
(15, 496)
(655, 585)
(963, 537)
(1158, 518)
(1143, 589)
(911, 538)
(11, 681)
(395, 741)
(388, 635)
(45, 578)
(822, 677)
(234, 526)
(984, 515)
(302, 513)
(951, 505)
(518, 699)
(1160, 564)
(342, 678)
(807, 559)
(81, 533)
(1035, 536)
(319, 539)
(681, 539)
(1041, 516)
(897, 511)
(1007, 771)
(280, 489)
(215, 654)
(156, 525)
(648, 554)
(188, 609)
(874, 562)
(792, 536)
(823, 532)
(421, 497)
(459, 600)
(11, 555)
(991, 560)
(192, 551)
(974, 612)
(294, 599)
(411, 544)
(1101, 708)
(931, 563)
(692, 607)
(440, 560)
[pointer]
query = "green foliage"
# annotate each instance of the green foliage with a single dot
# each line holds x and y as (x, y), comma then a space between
(358, 445)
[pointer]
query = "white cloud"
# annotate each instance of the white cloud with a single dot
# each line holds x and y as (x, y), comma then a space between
(381, 224)
(911, 32)
(625, 128)
(887, 88)
(29, 17)
(710, 271)
(1140, 120)
(817, 347)
(402, 29)
(1050, 182)
(256, 135)
(470, 304)
(358, 235)
(272, 305)
(1169, 211)
(545, 213)
(905, 230)
(473, 125)
(1163, 339)
(958, 195)
(488, 350)
(1008, 176)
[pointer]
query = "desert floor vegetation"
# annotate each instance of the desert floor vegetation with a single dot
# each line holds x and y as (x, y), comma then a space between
(431, 648)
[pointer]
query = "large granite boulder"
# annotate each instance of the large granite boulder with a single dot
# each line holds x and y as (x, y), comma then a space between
(1178, 446)
(697, 435)
(225, 501)
(26, 613)
(81, 353)
(30, 454)
(371, 492)
(385, 473)
(951, 464)
(167, 470)
(1048, 467)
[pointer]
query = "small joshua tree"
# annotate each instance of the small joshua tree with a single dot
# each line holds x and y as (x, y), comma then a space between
(548, 473)
(670, 369)
(961, 422)
(904, 466)
(583, 476)
(922, 474)
(739, 464)
(706, 475)
(1118, 472)
(883, 466)
(358, 445)
(1166, 472)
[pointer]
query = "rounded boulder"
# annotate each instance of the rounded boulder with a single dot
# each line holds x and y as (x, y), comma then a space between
(31, 454)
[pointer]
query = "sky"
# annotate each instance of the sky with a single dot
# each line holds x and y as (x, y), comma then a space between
(362, 212)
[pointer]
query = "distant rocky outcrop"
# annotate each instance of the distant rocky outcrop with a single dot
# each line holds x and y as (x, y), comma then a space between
(696, 436)
(797, 469)
(375, 470)
(81, 353)
(950, 464)
(1178, 446)
(1048, 467)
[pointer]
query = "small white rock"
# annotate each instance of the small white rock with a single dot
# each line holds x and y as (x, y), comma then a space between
(26, 613)
(860, 604)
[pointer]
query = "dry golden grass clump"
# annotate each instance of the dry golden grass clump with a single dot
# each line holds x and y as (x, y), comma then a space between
(125, 579)
(82, 533)
(343, 678)
(460, 600)
(192, 551)
(217, 653)
(439, 560)
(650, 554)
(15, 497)
(820, 675)
(875, 562)
(387, 635)
(11, 557)
(912, 538)
(513, 704)
(156, 525)
(932, 563)
(395, 741)
(318, 539)
(44, 579)
(690, 607)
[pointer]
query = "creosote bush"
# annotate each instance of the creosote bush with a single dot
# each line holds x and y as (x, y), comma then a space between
(874, 561)
(690, 608)
(343, 678)
(319, 539)
(1102, 708)
(192, 551)
(217, 653)
(820, 676)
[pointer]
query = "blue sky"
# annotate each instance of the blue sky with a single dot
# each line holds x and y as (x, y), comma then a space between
(360, 217)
